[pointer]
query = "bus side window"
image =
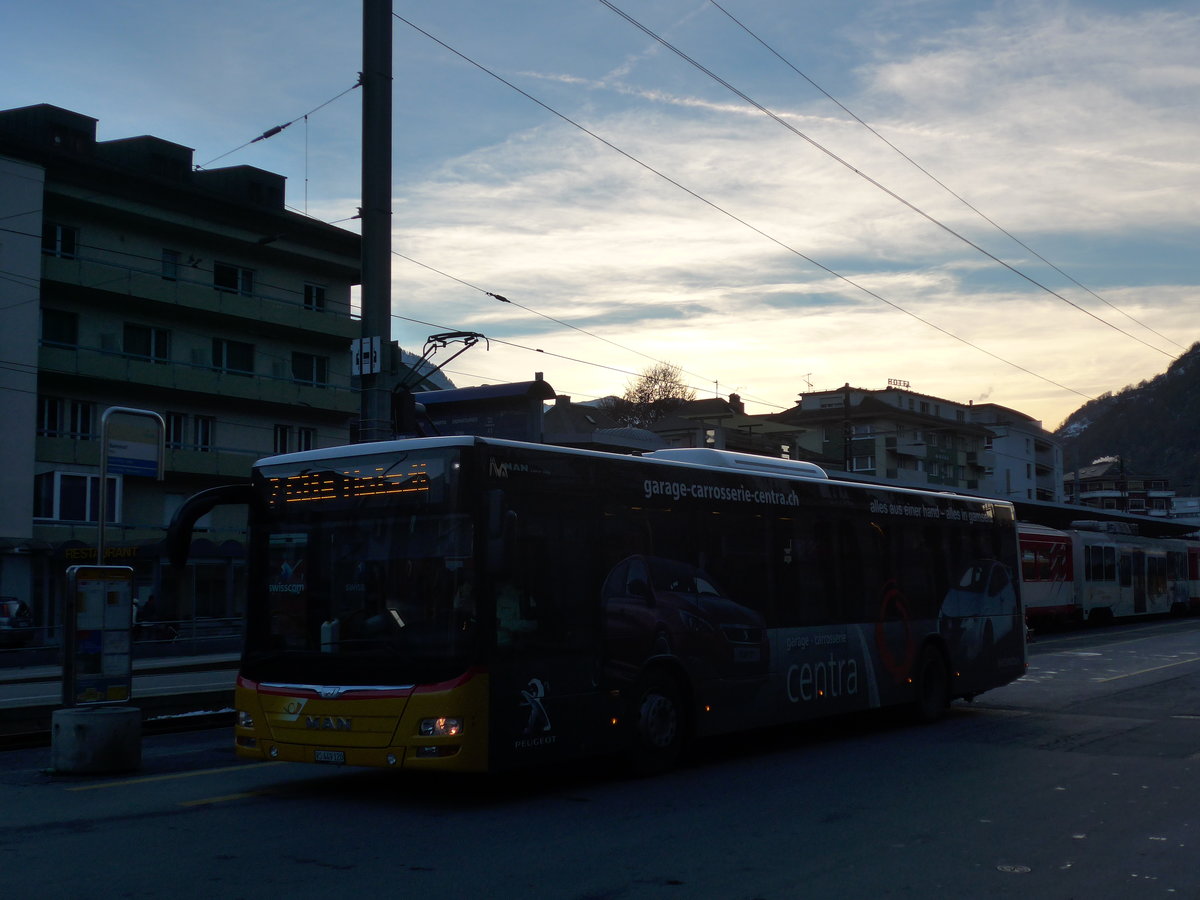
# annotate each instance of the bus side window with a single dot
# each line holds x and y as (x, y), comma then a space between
(806, 578)
(538, 602)
(845, 561)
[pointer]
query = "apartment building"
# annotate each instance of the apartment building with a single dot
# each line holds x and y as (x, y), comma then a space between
(129, 278)
(1108, 484)
(1021, 460)
(899, 436)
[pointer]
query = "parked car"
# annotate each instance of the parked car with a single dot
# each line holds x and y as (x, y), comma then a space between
(16, 622)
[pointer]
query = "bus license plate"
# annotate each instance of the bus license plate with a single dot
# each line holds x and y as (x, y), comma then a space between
(330, 756)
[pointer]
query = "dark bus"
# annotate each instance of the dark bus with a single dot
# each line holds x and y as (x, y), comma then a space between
(468, 604)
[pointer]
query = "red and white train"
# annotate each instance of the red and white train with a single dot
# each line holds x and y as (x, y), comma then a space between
(1099, 571)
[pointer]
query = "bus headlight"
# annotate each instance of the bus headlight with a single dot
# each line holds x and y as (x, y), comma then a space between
(444, 726)
(244, 719)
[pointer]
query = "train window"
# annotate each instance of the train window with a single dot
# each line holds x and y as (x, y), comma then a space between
(1029, 566)
(1126, 570)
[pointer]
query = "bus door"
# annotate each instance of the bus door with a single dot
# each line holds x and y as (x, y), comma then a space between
(544, 667)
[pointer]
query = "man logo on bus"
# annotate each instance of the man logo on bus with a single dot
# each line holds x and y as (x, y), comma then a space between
(328, 723)
(532, 697)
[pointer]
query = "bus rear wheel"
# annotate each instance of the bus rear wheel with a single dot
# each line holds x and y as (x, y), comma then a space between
(659, 719)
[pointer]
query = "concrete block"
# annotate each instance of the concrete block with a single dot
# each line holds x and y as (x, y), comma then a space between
(96, 740)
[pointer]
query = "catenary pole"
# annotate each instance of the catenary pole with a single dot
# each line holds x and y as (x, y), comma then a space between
(376, 296)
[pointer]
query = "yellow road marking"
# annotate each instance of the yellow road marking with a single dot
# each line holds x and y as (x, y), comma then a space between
(149, 779)
(208, 800)
(1144, 671)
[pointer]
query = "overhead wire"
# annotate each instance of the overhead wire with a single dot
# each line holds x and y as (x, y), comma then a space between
(271, 132)
(872, 181)
(934, 178)
(738, 219)
(502, 299)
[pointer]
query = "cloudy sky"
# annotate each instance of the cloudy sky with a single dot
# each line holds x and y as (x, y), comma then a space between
(1019, 223)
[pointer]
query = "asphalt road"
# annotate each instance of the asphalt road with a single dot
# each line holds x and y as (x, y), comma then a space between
(1081, 780)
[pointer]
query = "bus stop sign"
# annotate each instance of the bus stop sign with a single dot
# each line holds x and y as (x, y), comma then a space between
(98, 644)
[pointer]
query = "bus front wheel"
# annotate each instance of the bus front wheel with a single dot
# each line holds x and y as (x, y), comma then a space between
(659, 720)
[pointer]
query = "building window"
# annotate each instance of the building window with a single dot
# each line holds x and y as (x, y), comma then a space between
(59, 417)
(176, 432)
(170, 265)
(60, 328)
(145, 342)
(60, 240)
(310, 369)
(862, 464)
(74, 497)
(314, 297)
(202, 432)
(306, 439)
(283, 437)
(233, 356)
(234, 279)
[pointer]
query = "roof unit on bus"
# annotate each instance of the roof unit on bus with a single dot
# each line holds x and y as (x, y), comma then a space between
(745, 462)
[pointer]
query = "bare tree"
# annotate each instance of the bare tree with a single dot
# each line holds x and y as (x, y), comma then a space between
(651, 396)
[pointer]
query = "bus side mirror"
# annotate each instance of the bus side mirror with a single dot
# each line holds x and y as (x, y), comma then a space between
(179, 532)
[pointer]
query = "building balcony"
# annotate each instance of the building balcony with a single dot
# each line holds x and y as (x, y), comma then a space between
(915, 447)
(231, 462)
(142, 377)
(191, 293)
(983, 459)
(68, 451)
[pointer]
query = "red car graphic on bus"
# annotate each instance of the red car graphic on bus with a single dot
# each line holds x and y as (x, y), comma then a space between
(655, 606)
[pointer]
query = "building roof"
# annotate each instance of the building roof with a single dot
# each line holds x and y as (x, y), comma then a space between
(150, 169)
(1108, 468)
(488, 393)
(871, 407)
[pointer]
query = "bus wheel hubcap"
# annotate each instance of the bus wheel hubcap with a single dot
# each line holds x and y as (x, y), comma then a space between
(660, 720)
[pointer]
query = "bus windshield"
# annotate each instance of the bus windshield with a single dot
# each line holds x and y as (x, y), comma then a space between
(365, 573)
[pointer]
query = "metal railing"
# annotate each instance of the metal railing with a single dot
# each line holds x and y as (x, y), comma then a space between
(199, 636)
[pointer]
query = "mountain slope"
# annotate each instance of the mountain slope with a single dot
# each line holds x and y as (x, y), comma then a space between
(1153, 426)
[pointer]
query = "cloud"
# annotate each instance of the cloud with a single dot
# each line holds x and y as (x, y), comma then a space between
(1067, 126)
